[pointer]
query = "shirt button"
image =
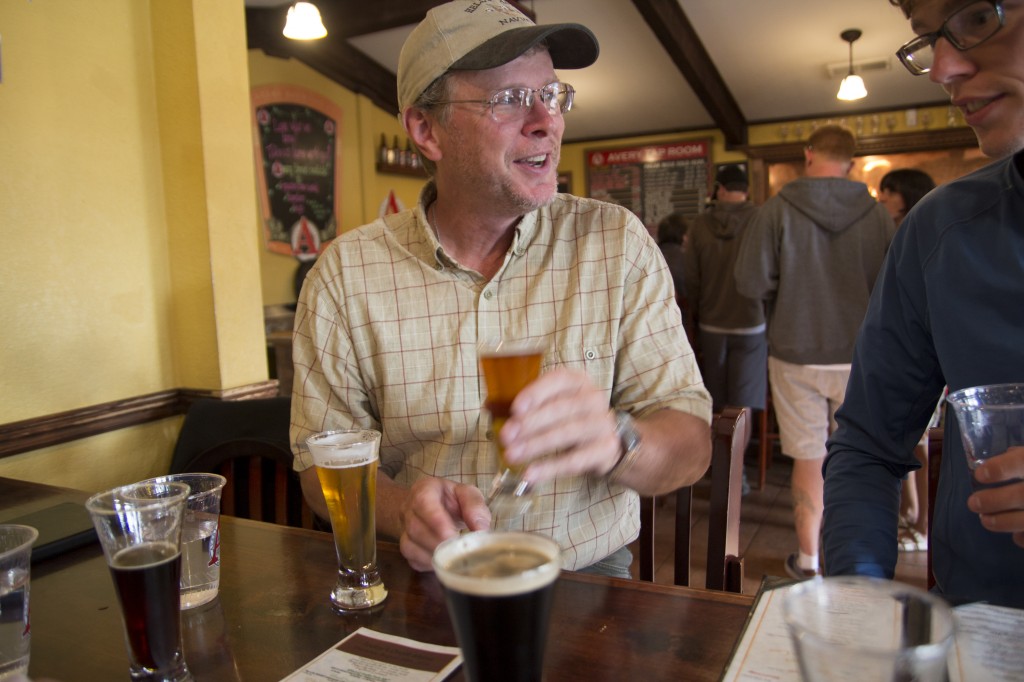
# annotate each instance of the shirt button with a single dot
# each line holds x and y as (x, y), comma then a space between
(488, 294)
(590, 354)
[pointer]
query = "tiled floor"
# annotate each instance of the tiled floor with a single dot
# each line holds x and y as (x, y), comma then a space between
(766, 533)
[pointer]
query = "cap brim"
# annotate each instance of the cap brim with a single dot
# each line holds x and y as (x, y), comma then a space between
(571, 46)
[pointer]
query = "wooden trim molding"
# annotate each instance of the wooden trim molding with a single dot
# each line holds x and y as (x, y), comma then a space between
(949, 138)
(64, 427)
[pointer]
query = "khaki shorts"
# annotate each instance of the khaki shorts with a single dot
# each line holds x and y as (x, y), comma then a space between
(805, 400)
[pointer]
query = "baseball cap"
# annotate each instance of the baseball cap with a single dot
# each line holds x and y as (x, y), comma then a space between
(482, 34)
(733, 178)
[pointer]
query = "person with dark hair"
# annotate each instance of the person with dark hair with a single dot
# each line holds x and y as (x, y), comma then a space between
(811, 254)
(672, 241)
(946, 311)
(900, 190)
(730, 327)
(391, 316)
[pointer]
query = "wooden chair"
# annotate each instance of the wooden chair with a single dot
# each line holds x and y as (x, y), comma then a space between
(934, 465)
(261, 484)
(245, 441)
(767, 435)
(724, 565)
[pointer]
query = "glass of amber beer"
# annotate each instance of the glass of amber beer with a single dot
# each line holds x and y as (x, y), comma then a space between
(508, 366)
(139, 526)
(499, 587)
(346, 464)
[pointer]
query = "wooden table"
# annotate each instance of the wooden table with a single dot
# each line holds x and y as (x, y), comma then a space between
(273, 615)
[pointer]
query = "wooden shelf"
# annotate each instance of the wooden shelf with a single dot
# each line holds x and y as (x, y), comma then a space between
(395, 169)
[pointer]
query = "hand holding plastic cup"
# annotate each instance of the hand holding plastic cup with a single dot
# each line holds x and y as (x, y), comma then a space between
(139, 527)
(200, 536)
(991, 420)
(15, 636)
(852, 628)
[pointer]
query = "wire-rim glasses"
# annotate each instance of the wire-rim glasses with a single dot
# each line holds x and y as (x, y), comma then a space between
(512, 103)
(968, 27)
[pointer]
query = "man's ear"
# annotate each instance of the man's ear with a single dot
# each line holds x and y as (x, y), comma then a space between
(422, 130)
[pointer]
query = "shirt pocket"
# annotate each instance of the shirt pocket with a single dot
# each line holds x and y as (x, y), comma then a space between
(597, 360)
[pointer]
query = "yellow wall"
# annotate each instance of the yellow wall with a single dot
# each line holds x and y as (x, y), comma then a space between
(126, 207)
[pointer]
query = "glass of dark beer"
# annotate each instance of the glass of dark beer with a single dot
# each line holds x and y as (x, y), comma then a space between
(499, 587)
(346, 464)
(139, 527)
(508, 366)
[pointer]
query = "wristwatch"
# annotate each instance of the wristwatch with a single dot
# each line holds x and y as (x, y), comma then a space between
(629, 437)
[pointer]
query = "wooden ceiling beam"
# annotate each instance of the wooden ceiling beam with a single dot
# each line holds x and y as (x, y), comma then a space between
(333, 56)
(677, 35)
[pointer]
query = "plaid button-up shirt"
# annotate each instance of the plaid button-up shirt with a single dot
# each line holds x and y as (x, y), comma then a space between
(387, 326)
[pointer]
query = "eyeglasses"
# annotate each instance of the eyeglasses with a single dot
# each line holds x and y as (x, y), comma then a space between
(968, 27)
(512, 103)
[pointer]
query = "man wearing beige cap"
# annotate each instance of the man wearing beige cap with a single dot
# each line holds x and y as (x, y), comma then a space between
(389, 320)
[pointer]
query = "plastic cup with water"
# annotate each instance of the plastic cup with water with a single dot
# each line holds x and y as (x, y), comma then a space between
(15, 634)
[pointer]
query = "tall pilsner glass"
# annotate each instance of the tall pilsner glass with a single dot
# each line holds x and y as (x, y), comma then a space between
(139, 527)
(346, 463)
(508, 366)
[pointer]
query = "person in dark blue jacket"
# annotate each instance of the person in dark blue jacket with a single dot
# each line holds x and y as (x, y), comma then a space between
(948, 308)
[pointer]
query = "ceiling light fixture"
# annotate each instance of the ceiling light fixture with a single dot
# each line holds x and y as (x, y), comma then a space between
(304, 22)
(852, 86)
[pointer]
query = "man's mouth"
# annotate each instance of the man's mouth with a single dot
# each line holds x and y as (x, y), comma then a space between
(971, 106)
(534, 161)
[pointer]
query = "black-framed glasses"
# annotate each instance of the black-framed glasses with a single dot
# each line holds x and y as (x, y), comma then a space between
(512, 103)
(968, 27)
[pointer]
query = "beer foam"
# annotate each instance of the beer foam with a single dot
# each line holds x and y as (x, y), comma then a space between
(497, 564)
(339, 449)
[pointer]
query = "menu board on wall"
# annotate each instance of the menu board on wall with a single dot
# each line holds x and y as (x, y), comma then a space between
(296, 137)
(651, 180)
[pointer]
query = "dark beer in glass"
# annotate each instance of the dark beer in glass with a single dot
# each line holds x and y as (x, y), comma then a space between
(139, 527)
(499, 587)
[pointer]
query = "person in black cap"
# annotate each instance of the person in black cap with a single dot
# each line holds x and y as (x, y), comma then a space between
(389, 319)
(730, 326)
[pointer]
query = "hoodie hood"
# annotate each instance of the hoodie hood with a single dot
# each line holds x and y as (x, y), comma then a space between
(727, 219)
(834, 204)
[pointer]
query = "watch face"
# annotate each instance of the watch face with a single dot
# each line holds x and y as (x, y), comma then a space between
(627, 433)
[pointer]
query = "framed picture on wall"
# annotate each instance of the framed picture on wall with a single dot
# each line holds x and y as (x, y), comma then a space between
(296, 135)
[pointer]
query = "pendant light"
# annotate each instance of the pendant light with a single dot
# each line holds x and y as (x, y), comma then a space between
(852, 86)
(304, 22)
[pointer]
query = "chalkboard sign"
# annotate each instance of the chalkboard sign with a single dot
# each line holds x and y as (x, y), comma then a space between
(297, 151)
(651, 180)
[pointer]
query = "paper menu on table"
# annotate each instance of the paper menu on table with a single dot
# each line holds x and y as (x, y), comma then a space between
(369, 655)
(765, 651)
(986, 647)
(988, 644)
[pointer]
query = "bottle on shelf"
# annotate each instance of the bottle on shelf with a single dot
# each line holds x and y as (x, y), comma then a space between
(393, 153)
(382, 151)
(411, 157)
(403, 155)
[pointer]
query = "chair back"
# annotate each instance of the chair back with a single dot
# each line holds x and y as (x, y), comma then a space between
(729, 431)
(246, 442)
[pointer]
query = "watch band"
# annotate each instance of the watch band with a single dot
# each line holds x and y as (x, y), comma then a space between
(630, 439)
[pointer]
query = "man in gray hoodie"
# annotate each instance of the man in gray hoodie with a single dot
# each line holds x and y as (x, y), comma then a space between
(812, 254)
